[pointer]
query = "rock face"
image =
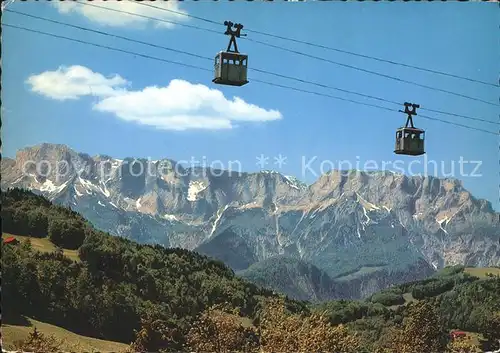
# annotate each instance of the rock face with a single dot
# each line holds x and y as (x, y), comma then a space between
(354, 232)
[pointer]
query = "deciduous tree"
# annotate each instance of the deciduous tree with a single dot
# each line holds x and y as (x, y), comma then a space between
(421, 331)
(221, 332)
(462, 345)
(284, 332)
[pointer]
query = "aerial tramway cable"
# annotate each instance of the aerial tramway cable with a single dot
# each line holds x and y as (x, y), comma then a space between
(254, 69)
(324, 47)
(254, 80)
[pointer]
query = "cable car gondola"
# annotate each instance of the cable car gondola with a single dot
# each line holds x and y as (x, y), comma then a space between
(230, 65)
(409, 139)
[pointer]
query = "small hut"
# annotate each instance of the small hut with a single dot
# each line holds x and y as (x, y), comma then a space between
(11, 240)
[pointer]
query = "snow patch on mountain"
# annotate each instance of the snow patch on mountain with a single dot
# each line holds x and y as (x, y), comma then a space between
(441, 221)
(217, 219)
(33, 176)
(50, 187)
(87, 185)
(170, 217)
(195, 187)
(78, 193)
(367, 204)
(104, 190)
(295, 183)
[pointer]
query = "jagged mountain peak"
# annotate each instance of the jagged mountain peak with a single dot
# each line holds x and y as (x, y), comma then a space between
(45, 147)
(368, 224)
(383, 188)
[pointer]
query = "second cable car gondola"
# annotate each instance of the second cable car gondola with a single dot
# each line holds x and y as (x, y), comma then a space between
(231, 65)
(409, 139)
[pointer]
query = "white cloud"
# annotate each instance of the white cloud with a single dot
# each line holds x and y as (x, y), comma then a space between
(179, 106)
(182, 105)
(74, 82)
(120, 19)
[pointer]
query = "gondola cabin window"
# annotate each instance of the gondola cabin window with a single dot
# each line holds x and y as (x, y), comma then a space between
(231, 69)
(410, 141)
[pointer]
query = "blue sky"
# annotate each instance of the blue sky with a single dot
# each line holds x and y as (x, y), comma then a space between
(454, 37)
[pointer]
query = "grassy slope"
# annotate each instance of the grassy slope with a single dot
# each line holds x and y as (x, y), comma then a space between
(44, 245)
(71, 341)
(482, 271)
(364, 270)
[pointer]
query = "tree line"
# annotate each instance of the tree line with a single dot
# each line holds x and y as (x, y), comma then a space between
(160, 299)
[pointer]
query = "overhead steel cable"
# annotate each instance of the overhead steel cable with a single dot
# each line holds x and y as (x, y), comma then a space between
(453, 123)
(376, 58)
(108, 34)
(179, 13)
(373, 72)
(105, 47)
(136, 54)
(201, 57)
(253, 69)
(286, 49)
(325, 47)
(86, 3)
(460, 116)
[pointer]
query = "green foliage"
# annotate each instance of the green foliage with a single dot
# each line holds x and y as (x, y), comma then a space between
(460, 300)
(432, 289)
(37, 342)
(152, 296)
(440, 285)
(388, 298)
(450, 271)
(420, 331)
(119, 286)
(490, 326)
(345, 311)
(469, 305)
(68, 234)
(28, 214)
(280, 273)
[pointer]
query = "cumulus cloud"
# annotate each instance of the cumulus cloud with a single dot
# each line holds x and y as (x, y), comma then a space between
(74, 82)
(120, 19)
(179, 106)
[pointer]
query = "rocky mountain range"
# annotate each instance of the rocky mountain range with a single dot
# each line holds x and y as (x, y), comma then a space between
(347, 235)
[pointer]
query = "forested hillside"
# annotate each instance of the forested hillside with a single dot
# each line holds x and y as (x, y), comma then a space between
(450, 300)
(163, 299)
(117, 283)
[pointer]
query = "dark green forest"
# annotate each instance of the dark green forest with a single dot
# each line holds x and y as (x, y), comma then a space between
(118, 287)
(118, 282)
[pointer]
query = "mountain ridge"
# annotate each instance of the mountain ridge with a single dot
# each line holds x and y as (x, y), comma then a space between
(345, 221)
